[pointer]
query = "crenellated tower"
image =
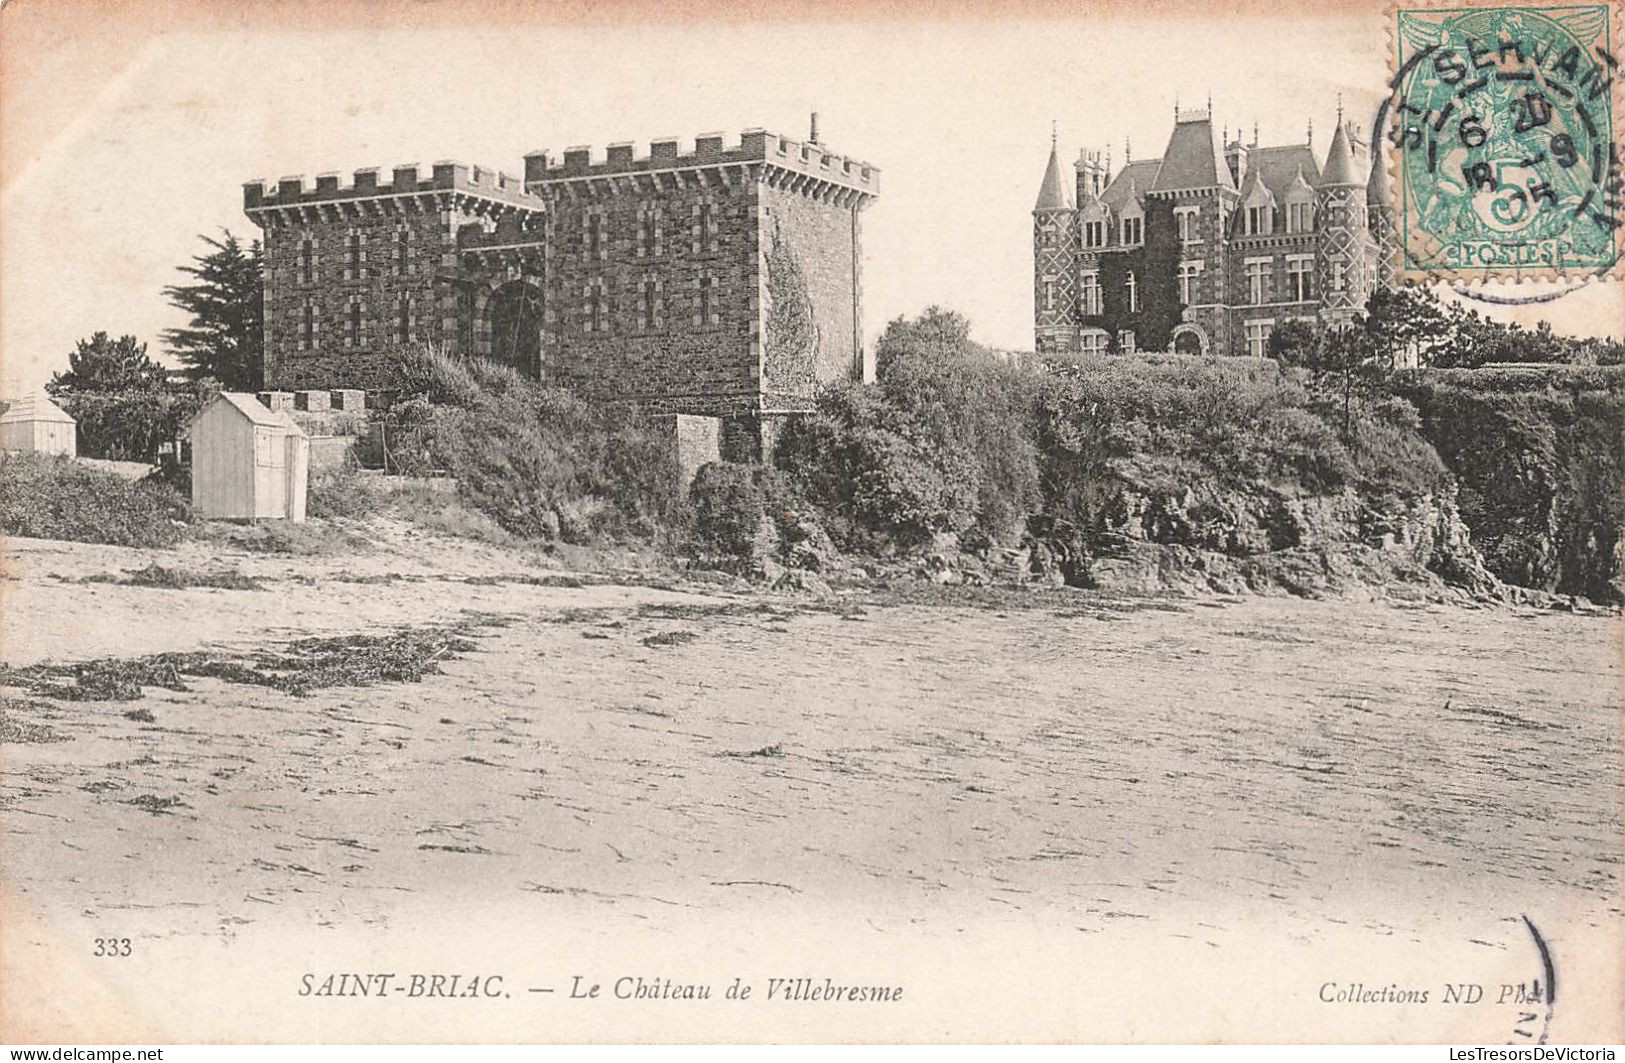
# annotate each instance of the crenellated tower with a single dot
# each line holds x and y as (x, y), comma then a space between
(723, 280)
(1055, 242)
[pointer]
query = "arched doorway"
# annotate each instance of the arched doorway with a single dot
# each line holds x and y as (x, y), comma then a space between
(514, 312)
(1189, 339)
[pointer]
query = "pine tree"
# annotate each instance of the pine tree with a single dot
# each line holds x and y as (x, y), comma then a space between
(106, 366)
(226, 338)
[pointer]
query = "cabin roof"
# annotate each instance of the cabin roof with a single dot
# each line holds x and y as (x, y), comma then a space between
(251, 408)
(35, 407)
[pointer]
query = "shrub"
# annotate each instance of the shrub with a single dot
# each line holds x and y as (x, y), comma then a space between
(944, 443)
(538, 460)
(728, 503)
(341, 492)
(48, 497)
(129, 425)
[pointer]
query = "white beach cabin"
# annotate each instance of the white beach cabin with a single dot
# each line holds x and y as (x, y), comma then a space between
(34, 423)
(248, 463)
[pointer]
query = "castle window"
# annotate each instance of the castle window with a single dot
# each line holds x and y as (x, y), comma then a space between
(649, 231)
(594, 235)
(1300, 217)
(1091, 293)
(1095, 342)
(355, 328)
(1133, 230)
(1188, 219)
(1126, 342)
(1300, 271)
(1339, 276)
(1132, 286)
(403, 319)
(1258, 273)
(1258, 337)
(595, 307)
(1188, 272)
(1049, 293)
(307, 260)
(307, 325)
(355, 256)
(403, 249)
(650, 308)
(706, 309)
(704, 230)
(1094, 234)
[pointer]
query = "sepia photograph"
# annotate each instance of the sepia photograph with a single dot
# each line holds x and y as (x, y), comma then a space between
(786, 523)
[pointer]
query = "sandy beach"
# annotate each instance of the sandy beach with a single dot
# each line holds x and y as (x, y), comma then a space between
(622, 768)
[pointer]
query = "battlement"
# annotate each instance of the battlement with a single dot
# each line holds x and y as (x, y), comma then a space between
(408, 179)
(755, 147)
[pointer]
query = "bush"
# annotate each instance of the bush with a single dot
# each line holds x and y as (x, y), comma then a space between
(129, 426)
(341, 492)
(538, 460)
(944, 443)
(46, 497)
(728, 503)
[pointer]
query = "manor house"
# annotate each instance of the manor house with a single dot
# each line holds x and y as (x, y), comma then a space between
(1208, 248)
(724, 280)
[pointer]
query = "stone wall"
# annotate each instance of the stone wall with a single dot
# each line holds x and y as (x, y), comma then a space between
(335, 358)
(823, 238)
(698, 352)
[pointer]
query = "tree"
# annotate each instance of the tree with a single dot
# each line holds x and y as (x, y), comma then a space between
(1409, 326)
(1293, 342)
(226, 337)
(109, 366)
(1348, 365)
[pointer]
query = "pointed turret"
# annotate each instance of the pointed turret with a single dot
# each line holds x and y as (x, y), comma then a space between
(1378, 192)
(1055, 246)
(1340, 169)
(1053, 194)
(1343, 263)
(1379, 198)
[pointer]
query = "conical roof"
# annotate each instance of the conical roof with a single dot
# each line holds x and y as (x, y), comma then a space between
(1378, 192)
(1055, 194)
(1340, 161)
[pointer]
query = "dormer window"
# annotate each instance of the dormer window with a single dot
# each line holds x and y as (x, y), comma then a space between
(1094, 225)
(1133, 230)
(1300, 217)
(1259, 206)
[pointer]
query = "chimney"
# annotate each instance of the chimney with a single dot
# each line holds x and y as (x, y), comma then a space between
(812, 137)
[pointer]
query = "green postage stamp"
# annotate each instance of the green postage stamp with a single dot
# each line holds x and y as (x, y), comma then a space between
(1502, 138)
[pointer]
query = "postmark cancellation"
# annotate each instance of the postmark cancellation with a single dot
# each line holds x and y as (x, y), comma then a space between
(1502, 130)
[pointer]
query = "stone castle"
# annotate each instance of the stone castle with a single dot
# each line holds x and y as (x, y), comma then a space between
(722, 281)
(1208, 248)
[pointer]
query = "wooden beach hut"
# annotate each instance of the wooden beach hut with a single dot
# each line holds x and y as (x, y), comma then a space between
(35, 423)
(248, 463)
